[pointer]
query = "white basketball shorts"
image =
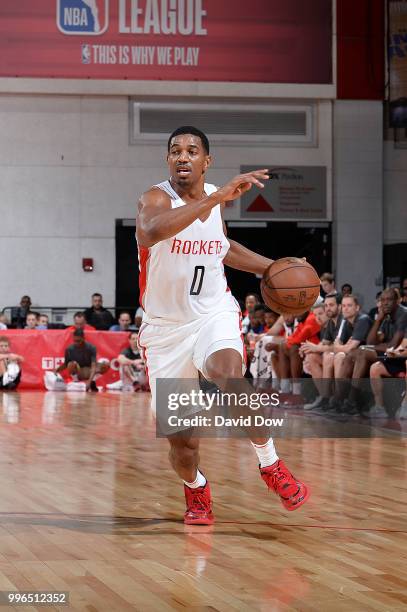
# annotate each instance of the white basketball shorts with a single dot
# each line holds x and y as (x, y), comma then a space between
(180, 351)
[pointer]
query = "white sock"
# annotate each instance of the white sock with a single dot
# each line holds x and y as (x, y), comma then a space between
(200, 481)
(285, 385)
(296, 388)
(266, 453)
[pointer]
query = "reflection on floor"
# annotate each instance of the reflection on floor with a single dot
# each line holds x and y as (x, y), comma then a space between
(90, 505)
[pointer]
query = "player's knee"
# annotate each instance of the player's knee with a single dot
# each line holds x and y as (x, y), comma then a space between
(221, 371)
(376, 370)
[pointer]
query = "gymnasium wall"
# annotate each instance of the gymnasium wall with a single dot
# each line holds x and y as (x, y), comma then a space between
(395, 190)
(358, 195)
(67, 173)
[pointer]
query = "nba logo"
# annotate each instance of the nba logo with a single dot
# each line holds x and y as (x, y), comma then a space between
(85, 54)
(79, 17)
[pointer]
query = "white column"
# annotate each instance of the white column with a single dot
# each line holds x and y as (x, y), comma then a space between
(358, 195)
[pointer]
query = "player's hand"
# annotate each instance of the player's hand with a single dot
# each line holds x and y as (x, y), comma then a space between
(307, 347)
(242, 183)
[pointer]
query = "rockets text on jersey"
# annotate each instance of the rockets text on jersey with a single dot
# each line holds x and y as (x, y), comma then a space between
(182, 278)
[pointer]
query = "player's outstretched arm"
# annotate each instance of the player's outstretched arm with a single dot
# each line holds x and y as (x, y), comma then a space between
(241, 258)
(157, 221)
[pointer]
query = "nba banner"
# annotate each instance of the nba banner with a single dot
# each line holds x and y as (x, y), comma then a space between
(43, 351)
(271, 41)
(397, 54)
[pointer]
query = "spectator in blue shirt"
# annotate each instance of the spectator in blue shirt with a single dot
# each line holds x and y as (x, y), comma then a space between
(124, 323)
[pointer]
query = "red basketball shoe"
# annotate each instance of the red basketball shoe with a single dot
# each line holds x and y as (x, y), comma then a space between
(291, 491)
(199, 506)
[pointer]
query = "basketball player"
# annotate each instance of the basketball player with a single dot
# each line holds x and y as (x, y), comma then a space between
(191, 322)
(95, 13)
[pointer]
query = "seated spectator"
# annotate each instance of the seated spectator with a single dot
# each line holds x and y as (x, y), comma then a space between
(290, 360)
(10, 366)
(19, 314)
(43, 321)
(373, 311)
(265, 359)
(124, 323)
(80, 361)
(346, 289)
(255, 329)
(256, 320)
(387, 331)
(132, 370)
(403, 292)
(327, 283)
(251, 300)
(270, 318)
(260, 367)
(3, 321)
(354, 334)
(79, 322)
(31, 321)
(97, 315)
(392, 364)
(315, 361)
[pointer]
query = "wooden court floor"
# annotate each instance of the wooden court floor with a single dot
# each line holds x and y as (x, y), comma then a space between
(90, 505)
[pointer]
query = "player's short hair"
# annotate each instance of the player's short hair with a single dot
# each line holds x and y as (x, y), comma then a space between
(96, 295)
(80, 313)
(337, 297)
(78, 333)
(347, 285)
(189, 129)
(4, 339)
(125, 312)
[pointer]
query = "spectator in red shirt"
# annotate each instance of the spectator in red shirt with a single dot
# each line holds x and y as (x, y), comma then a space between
(79, 322)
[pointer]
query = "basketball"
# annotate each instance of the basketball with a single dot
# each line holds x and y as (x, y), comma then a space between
(290, 286)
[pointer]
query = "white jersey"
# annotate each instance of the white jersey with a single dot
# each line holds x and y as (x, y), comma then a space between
(182, 278)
